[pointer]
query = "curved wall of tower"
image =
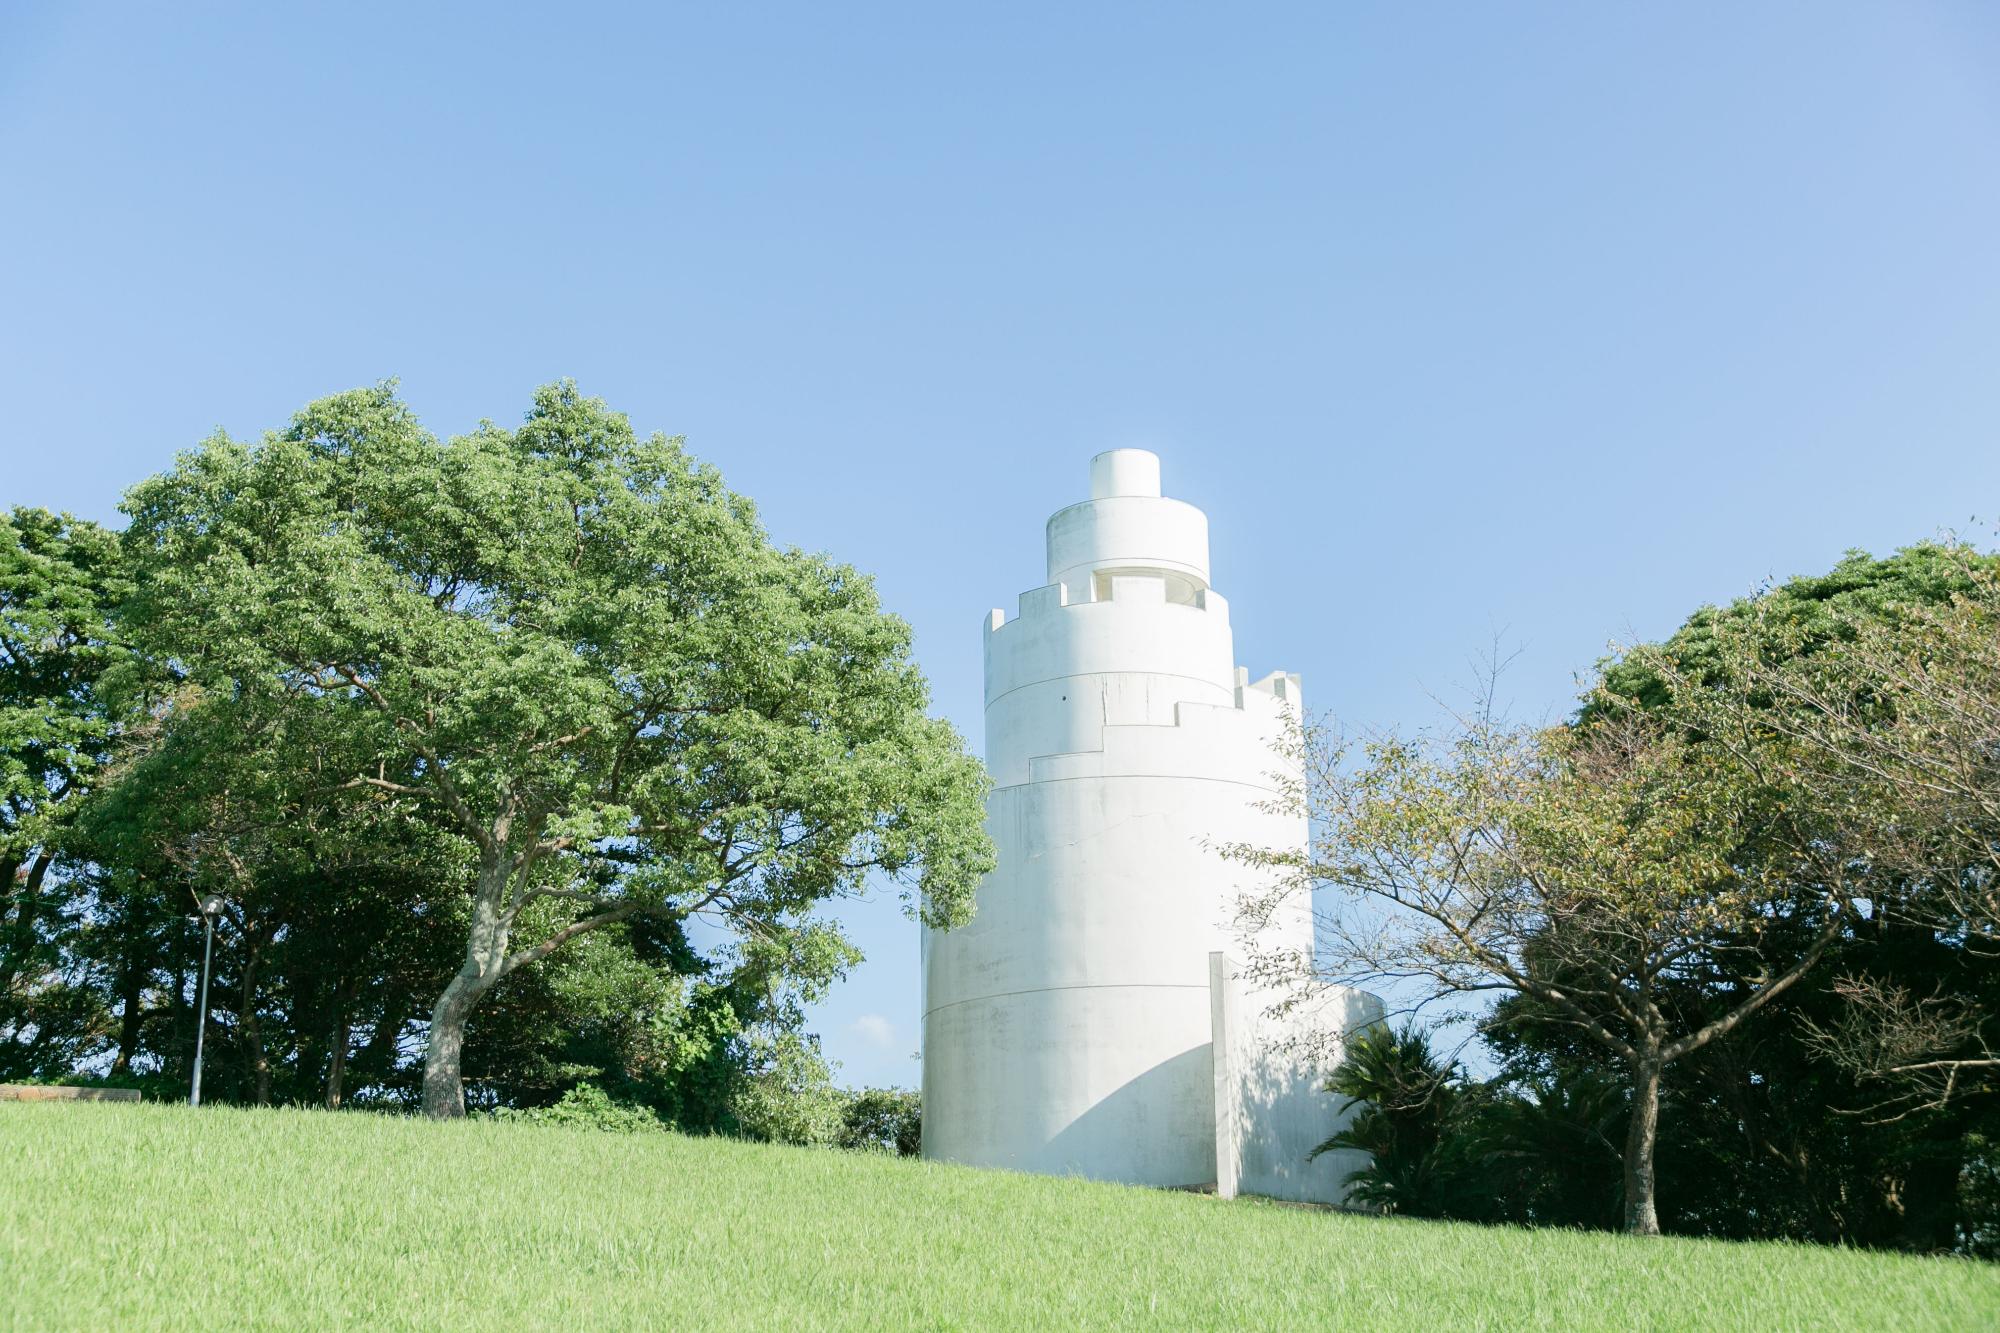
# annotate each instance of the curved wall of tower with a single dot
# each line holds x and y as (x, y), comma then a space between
(1068, 1027)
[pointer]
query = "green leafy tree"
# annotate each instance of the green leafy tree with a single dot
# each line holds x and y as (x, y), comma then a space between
(1592, 868)
(1554, 1148)
(1845, 685)
(1759, 1137)
(1542, 1152)
(317, 894)
(1412, 1116)
(1902, 716)
(59, 578)
(711, 1043)
(576, 651)
(789, 1095)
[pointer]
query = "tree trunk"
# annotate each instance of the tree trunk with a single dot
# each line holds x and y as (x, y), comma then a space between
(444, 1088)
(131, 1014)
(180, 1032)
(485, 954)
(23, 887)
(1642, 1217)
(12, 901)
(343, 1023)
(250, 1025)
(132, 979)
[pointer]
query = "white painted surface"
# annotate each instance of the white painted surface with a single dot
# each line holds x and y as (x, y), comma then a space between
(1271, 1104)
(1222, 1025)
(1068, 1028)
(1124, 472)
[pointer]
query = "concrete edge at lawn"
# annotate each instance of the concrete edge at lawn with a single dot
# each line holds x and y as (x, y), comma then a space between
(34, 1092)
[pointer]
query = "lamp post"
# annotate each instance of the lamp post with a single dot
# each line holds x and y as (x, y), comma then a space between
(210, 906)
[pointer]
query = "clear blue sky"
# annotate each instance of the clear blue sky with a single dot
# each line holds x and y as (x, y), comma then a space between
(1554, 320)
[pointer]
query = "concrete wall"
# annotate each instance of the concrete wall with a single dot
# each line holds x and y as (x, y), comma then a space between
(1271, 1106)
(1067, 1028)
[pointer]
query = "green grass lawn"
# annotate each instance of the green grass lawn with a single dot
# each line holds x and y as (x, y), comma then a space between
(156, 1216)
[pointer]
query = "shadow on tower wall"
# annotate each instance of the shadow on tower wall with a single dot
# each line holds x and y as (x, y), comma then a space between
(1154, 1130)
(1272, 1107)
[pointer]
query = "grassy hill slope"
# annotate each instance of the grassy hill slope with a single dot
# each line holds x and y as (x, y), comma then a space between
(162, 1217)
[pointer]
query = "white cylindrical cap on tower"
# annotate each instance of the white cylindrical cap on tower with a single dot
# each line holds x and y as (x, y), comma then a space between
(1081, 1022)
(1127, 526)
(1124, 472)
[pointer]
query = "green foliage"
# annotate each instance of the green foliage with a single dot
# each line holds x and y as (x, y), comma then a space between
(419, 710)
(1979, 1188)
(884, 1120)
(1444, 1145)
(1593, 868)
(567, 628)
(1749, 881)
(1761, 1133)
(1410, 1121)
(789, 1096)
(1549, 1150)
(587, 1106)
(571, 652)
(1761, 1139)
(1800, 617)
(323, 1220)
(59, 577)
(1880, 681)
(80, 1081)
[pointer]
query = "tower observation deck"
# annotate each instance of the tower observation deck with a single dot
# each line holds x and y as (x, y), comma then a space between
(1087, 1021)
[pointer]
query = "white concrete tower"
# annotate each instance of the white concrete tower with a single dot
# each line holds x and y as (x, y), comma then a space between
(1072, 1026)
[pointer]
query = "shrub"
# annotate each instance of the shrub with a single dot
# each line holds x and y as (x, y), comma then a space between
(884, 1120)
(587, 1106)
(789, 1096)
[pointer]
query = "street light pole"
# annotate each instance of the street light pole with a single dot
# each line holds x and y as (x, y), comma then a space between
(209, 907)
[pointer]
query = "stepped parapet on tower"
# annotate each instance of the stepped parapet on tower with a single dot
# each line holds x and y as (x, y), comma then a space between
(1089, 1020)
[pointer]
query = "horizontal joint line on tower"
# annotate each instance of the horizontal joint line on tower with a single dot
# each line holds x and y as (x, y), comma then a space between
(1105, 777)
(1037, 990)
(1100, 499)
(1081, 675)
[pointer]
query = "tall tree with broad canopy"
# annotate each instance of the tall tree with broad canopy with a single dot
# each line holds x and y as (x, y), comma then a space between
(1894, 700)
(59, 577)
(1594, 868)
(1870, 690)
(576, 650)
(318, 894)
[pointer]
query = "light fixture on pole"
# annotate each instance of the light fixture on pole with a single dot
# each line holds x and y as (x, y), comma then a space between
(211, 907)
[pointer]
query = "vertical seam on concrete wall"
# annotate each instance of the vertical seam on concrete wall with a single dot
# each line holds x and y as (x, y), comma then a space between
(1223, 1076)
